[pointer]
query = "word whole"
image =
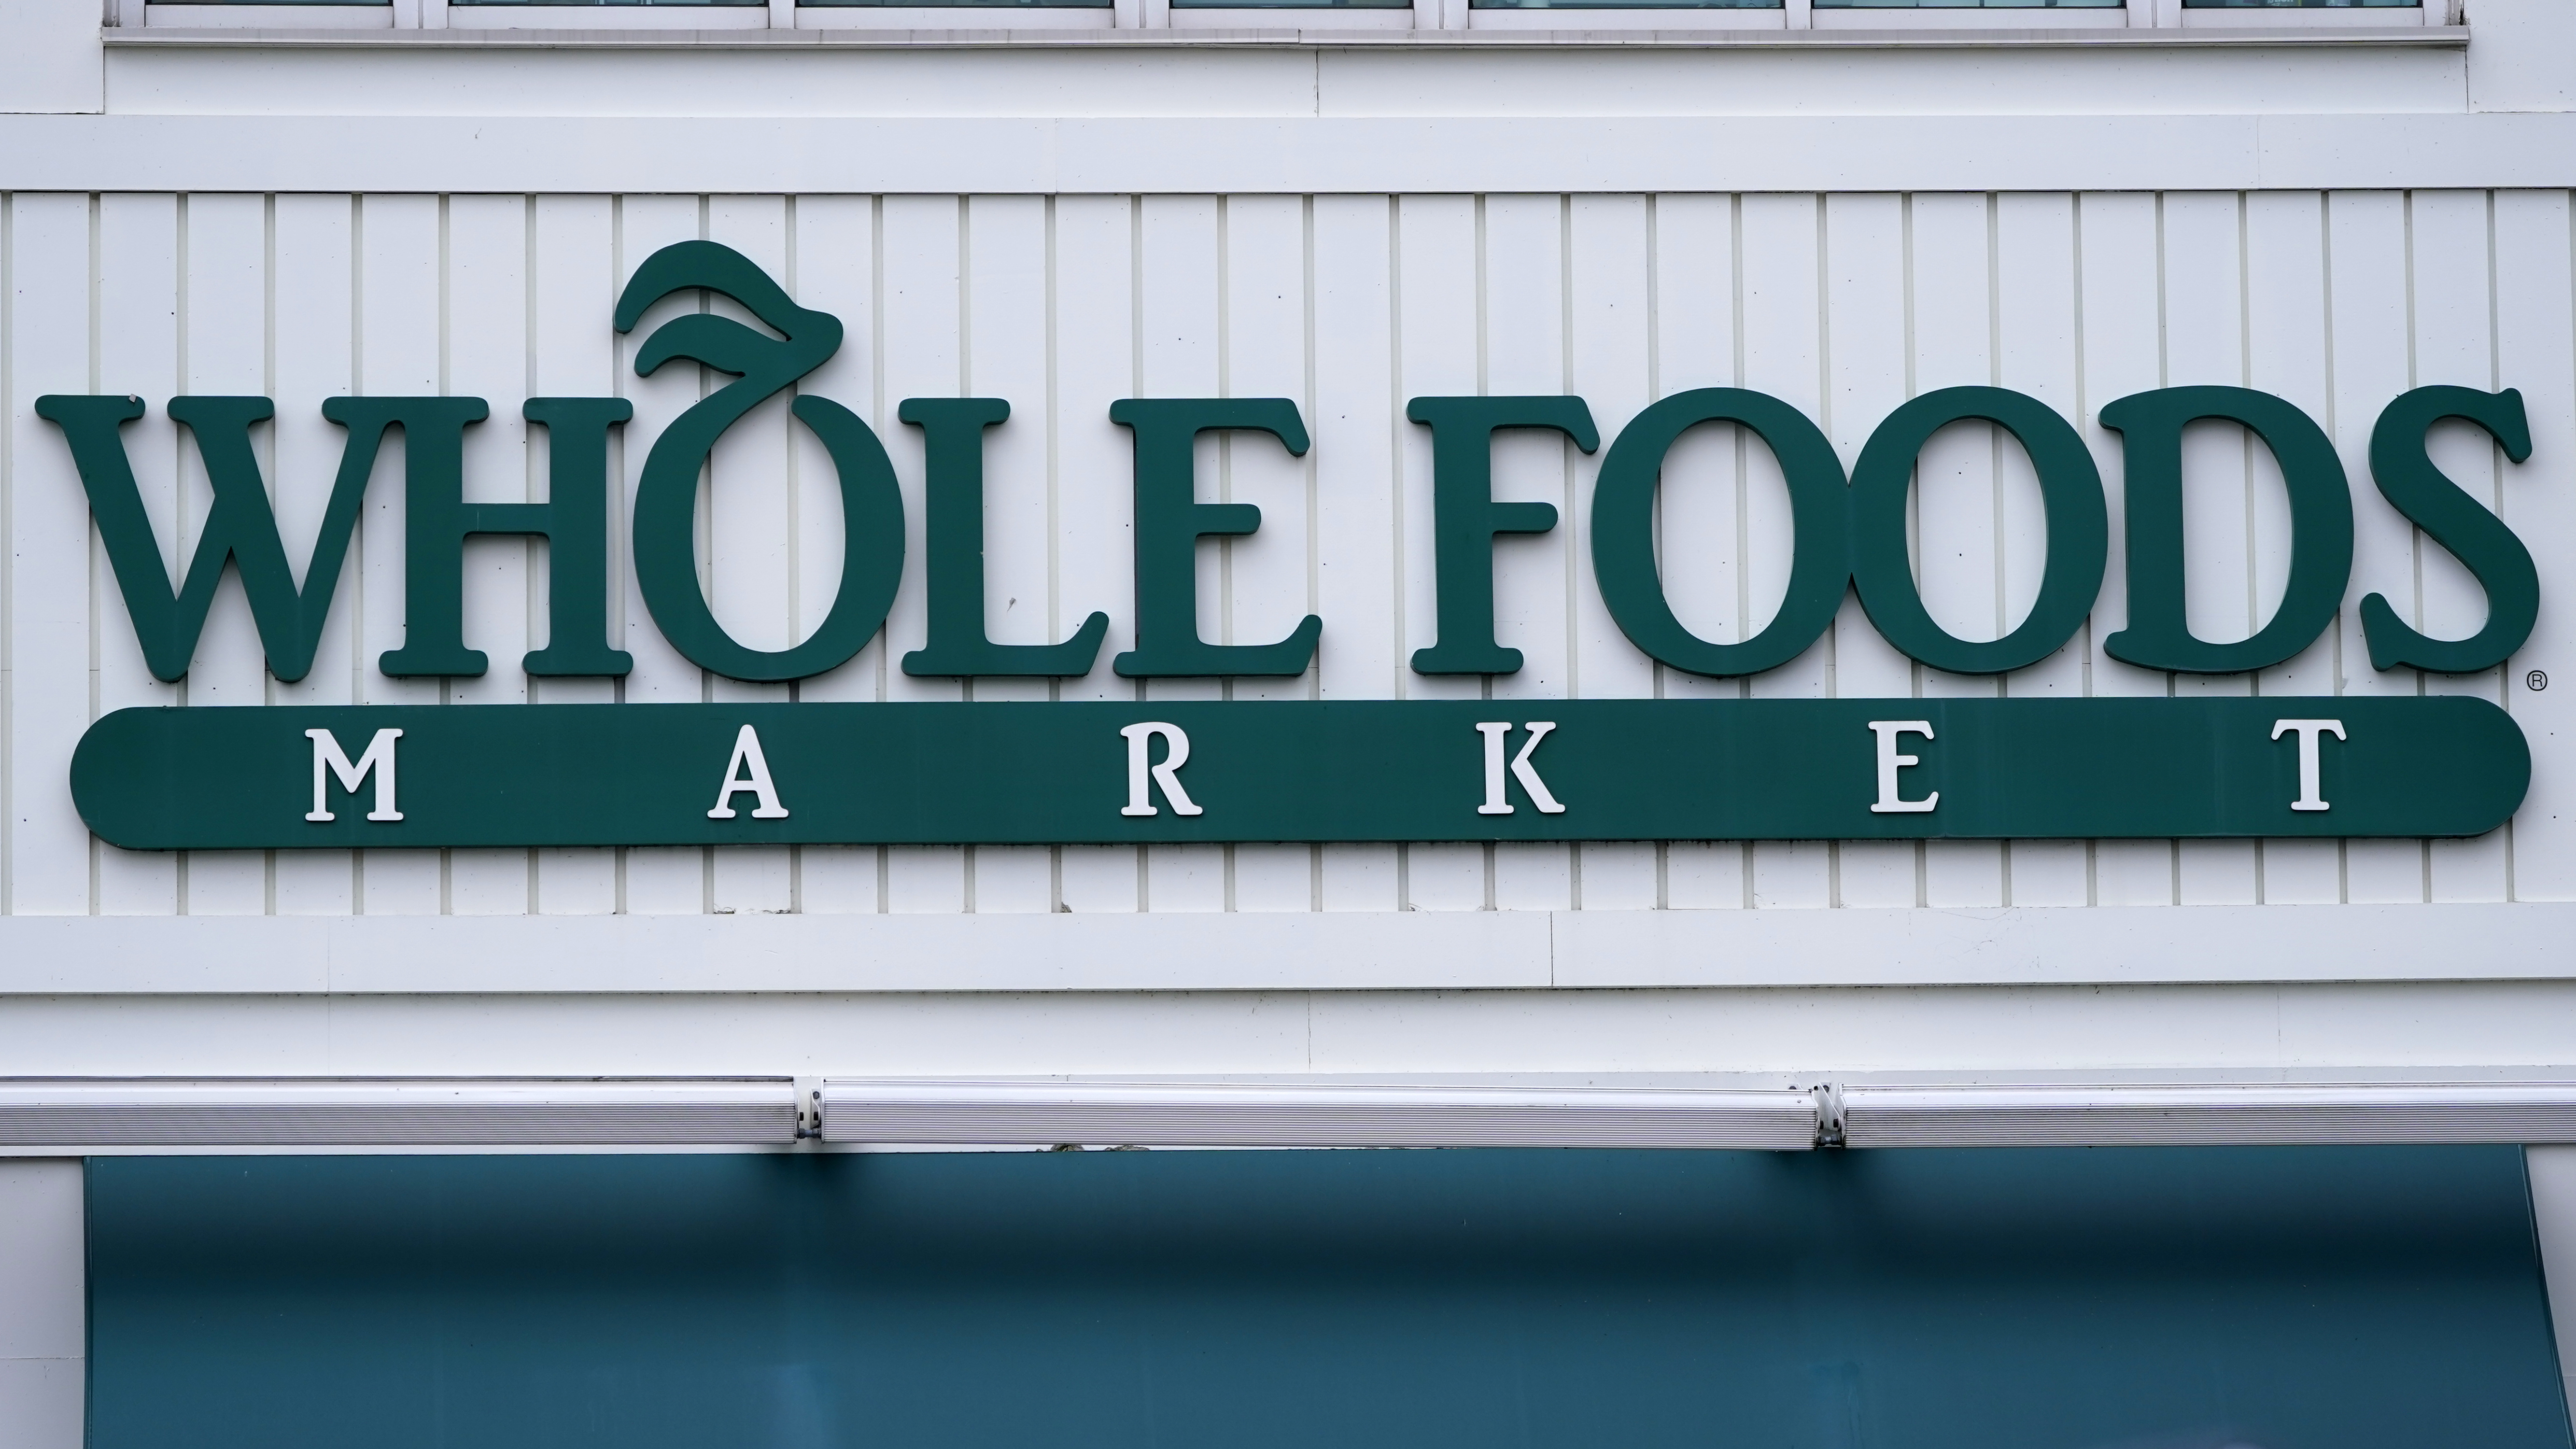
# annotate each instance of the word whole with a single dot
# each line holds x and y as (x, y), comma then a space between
(1849, 528)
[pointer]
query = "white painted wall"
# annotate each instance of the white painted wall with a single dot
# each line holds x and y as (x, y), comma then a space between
(43, 1334)
(50, 57)
(1845, 304)
(2524, 57)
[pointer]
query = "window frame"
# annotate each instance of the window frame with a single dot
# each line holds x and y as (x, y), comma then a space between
(2322, 17)
(1236, 25)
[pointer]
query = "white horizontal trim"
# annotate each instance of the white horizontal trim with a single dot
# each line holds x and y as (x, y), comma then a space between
(317, 1112)
(1209, 154)
(1328, 951)
(2191, 1115)
(1897, 31)
(588, 954)
(323, 1113)
(1215, 1114)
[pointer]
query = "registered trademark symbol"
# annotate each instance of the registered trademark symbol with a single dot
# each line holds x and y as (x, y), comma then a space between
(2536, 680)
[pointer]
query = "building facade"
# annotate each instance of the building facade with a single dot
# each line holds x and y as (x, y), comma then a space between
(605, 602)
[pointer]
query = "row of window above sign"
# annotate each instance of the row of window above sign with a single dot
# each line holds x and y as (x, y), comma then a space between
(1407, 4)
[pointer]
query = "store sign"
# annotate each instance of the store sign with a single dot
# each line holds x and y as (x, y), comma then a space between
(531, 775)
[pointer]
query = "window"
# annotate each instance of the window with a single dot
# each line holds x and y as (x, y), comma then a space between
(1968, 4)
(1429, 15)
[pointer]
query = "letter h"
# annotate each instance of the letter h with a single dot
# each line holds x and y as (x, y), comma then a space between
(573, 520)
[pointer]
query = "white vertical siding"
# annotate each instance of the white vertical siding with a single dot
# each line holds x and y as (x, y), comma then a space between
(1843, 304)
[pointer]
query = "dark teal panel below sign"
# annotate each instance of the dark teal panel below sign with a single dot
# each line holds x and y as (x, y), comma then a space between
(563, 775)
(2301, 1298)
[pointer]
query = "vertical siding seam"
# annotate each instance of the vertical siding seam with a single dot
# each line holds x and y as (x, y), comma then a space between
(1136, 388)
(180, 377)
(1566, 455)
(1910, 363)
(2083, 406)
(91, 543)
(1484, 388)
(529, 375)
(1995, 435)
(877, 420)
(1225, 488)
(1995, 462)
(2253, 530)
(1054, 436)
(2164, 378)
(1224, 441)
(276, 470)
(789, 224)
(2245, 378)
(1395, 439)
(1743, 492)
(1314, 503)
(446, 329)
(1395, 490)
(1054, 515)
(358, 612)
(2496, 466)
(1311, 405)
(1654, 392)
(795, 479)
(617, 501)
(2334, 430)
(1743, 448)
(1825, 422)
(2415, 532)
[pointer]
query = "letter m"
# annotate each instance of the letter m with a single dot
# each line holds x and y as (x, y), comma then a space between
(241, 527)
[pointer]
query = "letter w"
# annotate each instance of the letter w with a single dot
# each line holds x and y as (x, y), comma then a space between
(241, 528)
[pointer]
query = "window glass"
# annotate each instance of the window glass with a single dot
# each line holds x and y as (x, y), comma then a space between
(1623, 4)
(1292, 4)
(1967, 4)
(524, 3)
(965, 4)
(2302, 4)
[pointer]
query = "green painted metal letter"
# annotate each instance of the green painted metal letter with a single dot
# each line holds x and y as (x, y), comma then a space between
(241, 528)
(952, 439)
(1465, 518)
(2070, 488)
(574, 523)
(2159, 634)
(1623, 531)
(666, 496)
(1170, 521)
(2458, 522)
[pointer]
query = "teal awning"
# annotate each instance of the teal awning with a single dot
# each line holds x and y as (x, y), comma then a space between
(2137, 1298)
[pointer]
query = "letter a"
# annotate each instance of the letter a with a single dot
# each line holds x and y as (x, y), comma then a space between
(747, 758)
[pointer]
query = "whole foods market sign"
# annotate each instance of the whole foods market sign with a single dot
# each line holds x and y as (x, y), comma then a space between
(529, 775)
